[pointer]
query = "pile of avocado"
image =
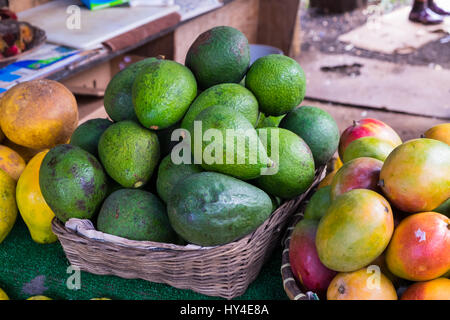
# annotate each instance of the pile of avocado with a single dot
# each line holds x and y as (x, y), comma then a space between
(156, 170)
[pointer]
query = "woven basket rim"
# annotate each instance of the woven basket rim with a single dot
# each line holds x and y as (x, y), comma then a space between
(290, 284)
(149, 245)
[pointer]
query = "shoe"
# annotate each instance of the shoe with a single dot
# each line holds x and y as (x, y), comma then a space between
(422, 14)
(436, 9)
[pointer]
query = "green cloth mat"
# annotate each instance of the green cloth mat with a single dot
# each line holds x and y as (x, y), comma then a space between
(28, 268)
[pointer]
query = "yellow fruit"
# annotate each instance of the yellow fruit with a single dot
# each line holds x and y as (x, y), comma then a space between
(32, 206)
(100, 299)
(363, 284)
(38, 114)
(439, 132)
(24, 152)
(8, 208)
(3, 295)
(11, 162)
(39, 298)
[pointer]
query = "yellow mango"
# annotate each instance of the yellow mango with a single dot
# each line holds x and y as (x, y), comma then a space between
(11, 162)
(32, 206)
(3, 295)
(8, 208)
(39, 298)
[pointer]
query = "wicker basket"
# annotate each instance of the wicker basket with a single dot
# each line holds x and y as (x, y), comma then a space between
(292, 288)
(223, 271)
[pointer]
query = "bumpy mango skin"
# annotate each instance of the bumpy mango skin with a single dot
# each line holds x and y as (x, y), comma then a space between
(31, 203)
(420, 247)
(439, 132)
(38, 114)
(356, 286)
(8, 208)
(367, 128)
(416, 176)
(437, 289)
(11, 162)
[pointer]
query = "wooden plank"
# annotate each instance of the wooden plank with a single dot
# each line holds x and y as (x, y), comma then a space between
(382, 85)
(240, 14)
(277, 22)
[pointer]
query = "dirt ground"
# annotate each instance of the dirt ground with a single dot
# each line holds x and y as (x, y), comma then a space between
(320, 32)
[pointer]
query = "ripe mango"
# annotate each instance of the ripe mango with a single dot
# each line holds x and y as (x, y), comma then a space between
(439, 132)
(363, 284)
(11, 162)
(437, 289)
(359, 173)
(416, 176)
(420, 247)
(32, 206)
(8, 208)
(355, 230)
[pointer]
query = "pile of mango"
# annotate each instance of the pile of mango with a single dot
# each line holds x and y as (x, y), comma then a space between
(145, 173)
(378, 226)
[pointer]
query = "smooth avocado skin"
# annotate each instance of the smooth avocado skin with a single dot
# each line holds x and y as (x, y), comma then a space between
(210, 208)
(169, 174)
(229, 95)
(136, 215)
(243, 165)
(219, 55)
(118, 100)
(72, 182)
(87, 135)
(278, 82)
(294, 167)
(162, 92)
(129, 153)
(317, 128)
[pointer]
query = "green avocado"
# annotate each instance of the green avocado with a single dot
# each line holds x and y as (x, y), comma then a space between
(118, 102)
(229, 95)
(87, 135)
(129, 153)
(210, 208)
(318, 204)
(317, 128)
(72, 182)
(219, 55)
(294, 171)
(169, 174)
(278, 82)
(229, 144)
(135, 215)
(162, 92)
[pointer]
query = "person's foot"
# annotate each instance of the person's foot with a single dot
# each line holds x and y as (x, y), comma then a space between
(422, 14)
(436, 9)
